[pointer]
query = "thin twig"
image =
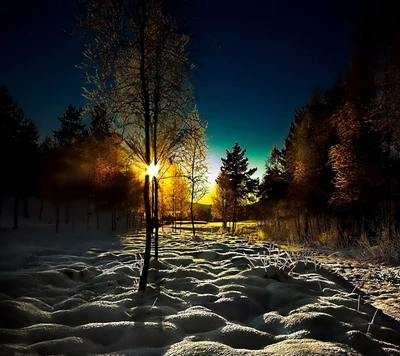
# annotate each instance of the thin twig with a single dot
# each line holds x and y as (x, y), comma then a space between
(372, 321)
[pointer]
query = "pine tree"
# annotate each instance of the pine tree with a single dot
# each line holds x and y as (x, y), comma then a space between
(47, 145)
(235, 168)
(69, 142)
(101, 122)
(71, 126)
(18, 136)
(273, 186)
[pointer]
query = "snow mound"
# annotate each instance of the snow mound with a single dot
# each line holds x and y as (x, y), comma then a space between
(203, 298)
(196, 320)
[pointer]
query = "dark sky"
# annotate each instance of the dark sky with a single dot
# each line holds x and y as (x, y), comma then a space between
(257, 61)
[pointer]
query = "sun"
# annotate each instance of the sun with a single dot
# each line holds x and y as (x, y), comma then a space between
(152, 170)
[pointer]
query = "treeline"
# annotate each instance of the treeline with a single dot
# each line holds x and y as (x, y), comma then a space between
(76, 163)
(91, 164)
(338, 174)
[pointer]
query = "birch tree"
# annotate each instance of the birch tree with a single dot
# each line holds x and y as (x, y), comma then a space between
(138, 65)
(222, 206)
(194, 163)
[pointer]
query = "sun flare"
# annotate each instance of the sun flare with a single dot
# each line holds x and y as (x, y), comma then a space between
(152, 170)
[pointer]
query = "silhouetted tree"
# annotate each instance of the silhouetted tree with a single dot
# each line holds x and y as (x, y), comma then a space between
(18, 147)
(222, 200)
(101, 122)
(194, 164)
(273, 186)
(235, 168)
(341, 159)
(306, 154)
(174, 194)
(69, 141)
(71, 126)
(141, 69)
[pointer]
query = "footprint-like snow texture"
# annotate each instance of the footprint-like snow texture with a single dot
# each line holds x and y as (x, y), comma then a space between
(203, 298)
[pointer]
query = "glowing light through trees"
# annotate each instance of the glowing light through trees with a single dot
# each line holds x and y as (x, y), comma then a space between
(152, 170)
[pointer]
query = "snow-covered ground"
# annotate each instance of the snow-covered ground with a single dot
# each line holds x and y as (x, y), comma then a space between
(76, 294)
(380, 281)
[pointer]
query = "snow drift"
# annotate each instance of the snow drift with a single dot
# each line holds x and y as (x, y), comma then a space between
(77, 296)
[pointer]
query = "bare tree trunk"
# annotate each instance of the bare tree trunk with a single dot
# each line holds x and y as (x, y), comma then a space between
(97, 217)
(393, 217)
(41, 210)
(306, 227)
(146, 188)
(155, 218)
(87, 215)
(278, 223)
(113, 220)
(192, 218)
(57, 216)
(16, 212)
(174, 213)
(73, 220)
(318, 225)
(298, 224)
(234, 216)
(149, 229)
(191, 205)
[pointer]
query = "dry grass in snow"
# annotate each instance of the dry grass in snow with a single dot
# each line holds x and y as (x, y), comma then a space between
(77, 296)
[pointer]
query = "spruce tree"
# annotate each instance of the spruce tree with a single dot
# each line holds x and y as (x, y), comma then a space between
(101, 122)
(71, 126)
(18, 146)
(235, 167)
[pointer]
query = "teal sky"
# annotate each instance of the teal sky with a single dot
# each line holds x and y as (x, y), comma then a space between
(256, 62)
